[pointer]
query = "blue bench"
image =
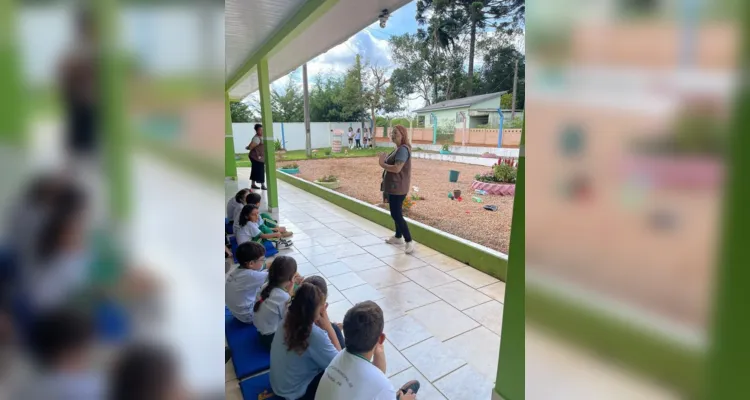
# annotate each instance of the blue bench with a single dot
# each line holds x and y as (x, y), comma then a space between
(249, 357)
(258, 388)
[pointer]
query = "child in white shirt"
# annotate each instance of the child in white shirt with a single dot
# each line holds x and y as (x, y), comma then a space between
(242, 284)
(271, 304)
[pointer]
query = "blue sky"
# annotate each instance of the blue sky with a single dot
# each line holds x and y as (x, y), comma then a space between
(371, 43)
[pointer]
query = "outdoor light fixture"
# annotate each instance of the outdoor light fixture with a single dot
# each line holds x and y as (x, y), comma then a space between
(383, 17)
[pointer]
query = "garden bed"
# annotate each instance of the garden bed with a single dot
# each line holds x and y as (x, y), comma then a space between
(360, 178)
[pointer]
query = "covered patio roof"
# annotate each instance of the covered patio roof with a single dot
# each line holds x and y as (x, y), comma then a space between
(288, 33)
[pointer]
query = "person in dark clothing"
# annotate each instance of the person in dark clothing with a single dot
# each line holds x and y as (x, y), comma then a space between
(257, 159)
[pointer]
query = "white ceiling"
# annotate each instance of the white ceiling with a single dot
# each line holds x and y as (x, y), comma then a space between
(343, 20)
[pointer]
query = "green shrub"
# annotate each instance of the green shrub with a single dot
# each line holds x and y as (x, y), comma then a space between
(290, 166)
(504, 173)
(446, 147)
(328, 152)
(515, 123)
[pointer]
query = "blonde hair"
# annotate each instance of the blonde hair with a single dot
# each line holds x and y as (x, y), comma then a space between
(404, 135)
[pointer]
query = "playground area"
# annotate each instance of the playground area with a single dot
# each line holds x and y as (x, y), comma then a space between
(360, 178)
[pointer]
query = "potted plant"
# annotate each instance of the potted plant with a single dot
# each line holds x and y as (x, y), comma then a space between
(446, 149)
(501, 180)
(292, 168)
(688, 155)
(329, 181)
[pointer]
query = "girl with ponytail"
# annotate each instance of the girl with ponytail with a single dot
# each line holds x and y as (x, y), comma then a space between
(303, 346)
(271, 305)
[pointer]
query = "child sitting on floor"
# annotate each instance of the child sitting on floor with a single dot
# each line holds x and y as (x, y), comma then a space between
(235, 204)
(146, 371)
(270, 306)
(265, 218)
(359, 371)
(242, 284)
(251, 230)
(241, 201)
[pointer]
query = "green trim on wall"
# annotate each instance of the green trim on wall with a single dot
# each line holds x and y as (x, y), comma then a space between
(511, 363)
(484, 261)
(653, 355)
(310, 11)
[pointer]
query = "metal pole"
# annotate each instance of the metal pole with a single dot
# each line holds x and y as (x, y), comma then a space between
(500, 128)
(433, 119)
(308, 139)
(513, 102)
(690, 16)
(463, 134)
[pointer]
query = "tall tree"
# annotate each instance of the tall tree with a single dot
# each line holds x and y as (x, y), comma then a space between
(413, 73)
(471, 17)
(241, 112)
(287, 104)
(352, 95)
(499, 59)
(325, 105)
(378, 92)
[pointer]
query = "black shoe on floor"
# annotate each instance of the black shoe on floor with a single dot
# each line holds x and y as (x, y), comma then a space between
(263, 187)
(254, 187)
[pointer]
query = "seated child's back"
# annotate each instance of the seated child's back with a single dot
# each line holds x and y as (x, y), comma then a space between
(270, 307)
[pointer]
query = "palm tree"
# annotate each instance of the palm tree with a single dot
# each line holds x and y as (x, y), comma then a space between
(440, 35)
(470, 16)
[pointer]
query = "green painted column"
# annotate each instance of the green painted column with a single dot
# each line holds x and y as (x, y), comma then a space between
(12, 95)
(728, 361)
(264, 86)
(511, 365)
(117, 141)
(230, 165)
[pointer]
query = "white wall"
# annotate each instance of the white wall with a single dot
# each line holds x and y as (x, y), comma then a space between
(294, 134)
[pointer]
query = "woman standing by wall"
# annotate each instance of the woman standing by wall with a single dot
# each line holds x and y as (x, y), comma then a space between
(257, 159)
(396, 183)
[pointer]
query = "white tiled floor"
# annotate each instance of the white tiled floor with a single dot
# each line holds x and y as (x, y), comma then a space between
(443, 319)
(422, 296)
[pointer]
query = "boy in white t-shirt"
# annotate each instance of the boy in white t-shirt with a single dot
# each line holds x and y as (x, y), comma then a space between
(242, 284)
(358, 372)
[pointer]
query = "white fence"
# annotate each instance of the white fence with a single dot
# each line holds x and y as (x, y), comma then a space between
(293, 132)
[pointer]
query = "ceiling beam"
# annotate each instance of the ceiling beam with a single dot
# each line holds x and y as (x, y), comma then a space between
(303, 19)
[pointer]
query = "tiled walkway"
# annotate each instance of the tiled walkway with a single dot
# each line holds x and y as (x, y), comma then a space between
(443, 318)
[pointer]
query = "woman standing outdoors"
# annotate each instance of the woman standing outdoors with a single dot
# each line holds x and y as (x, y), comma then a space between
(396, 183)
(257, 159)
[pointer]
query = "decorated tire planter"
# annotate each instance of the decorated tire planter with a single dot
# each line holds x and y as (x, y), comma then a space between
(291, 171)
(329, 185)
(676, 172)
(498, 189)
(445, 152)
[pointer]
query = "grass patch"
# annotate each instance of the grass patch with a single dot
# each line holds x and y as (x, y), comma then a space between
(295, 155)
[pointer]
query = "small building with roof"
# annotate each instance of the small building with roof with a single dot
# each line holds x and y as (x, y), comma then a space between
(479, 111)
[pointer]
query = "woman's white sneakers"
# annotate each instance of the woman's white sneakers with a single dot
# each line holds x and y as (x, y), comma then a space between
(394, 240)
(397, 241)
